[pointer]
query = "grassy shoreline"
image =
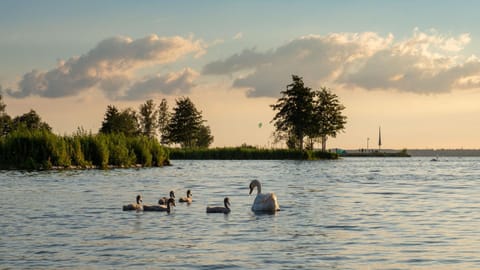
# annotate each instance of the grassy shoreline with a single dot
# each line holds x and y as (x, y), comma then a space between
(43, 150)
(402, 153)
(248, 153)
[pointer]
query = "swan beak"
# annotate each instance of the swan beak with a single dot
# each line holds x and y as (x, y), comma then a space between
(251, 189)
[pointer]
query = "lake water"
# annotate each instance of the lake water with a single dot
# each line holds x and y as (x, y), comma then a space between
(353, 213)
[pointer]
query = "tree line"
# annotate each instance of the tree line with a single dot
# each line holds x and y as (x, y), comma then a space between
(27, 142)
(185, 126)
(125, 138)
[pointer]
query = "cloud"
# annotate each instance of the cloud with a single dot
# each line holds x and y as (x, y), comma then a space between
(423, 63)
(173, 83)
(248, 58)
(109, 65)
(238, 35)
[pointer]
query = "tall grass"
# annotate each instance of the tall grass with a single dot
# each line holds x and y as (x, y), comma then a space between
(37, 150)
(248, 153)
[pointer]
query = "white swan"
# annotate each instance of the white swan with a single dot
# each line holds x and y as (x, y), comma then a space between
(161, 208)
(264, 202)
(134, 206)
(187, 199)
(219, 209)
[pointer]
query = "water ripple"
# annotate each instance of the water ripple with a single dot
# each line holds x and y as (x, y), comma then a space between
(348, 214)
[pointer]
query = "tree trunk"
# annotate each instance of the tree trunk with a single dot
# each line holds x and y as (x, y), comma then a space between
(324, 143)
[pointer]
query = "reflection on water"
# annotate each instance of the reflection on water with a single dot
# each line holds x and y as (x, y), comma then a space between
(352, 213)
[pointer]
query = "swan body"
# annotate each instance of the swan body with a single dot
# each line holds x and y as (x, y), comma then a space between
(219, 209)
(161, 208)
(134, 206)
(264, 202)
(164, 200)
(187, 199)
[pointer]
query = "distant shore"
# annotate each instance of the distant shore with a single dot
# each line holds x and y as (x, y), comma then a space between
(427, 152)
(376, 153)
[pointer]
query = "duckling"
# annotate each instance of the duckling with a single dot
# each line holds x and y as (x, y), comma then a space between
(162, 208)
(187, 199)
(164, 200)
(219, 209)
(264, 202)
(134, 206)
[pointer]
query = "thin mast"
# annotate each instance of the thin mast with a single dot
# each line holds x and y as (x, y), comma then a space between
(379, 138)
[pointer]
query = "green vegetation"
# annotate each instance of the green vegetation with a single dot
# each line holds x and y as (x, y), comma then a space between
(249, 153)
(402, 153)
(304, 114)
(26, 142)
(149, 119)
(41, 149)
(128, 138)
(125, 122)
(186, 127)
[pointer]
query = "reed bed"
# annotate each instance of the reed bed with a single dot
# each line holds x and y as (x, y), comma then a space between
(248, 153)
(42, 150)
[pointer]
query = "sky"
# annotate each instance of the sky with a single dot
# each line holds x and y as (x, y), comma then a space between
(409, 67)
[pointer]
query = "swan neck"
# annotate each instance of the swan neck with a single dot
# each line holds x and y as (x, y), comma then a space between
(259, 188)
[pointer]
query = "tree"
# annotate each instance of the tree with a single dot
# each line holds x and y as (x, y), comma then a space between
(327, 116)
(30, 121)
(204, 137)
(163, 120)
(5, 119)
(295, 110)
(148, 118)
(306, 114)
(111, 116)
(186, 125)
(2, 106)
(125, 122)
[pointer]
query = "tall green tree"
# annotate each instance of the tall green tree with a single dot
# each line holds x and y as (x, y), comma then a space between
(295, 111)
(328, 119)
(125, 122)
(110, 119)
(30, 121)
(148, 118)
(185, 125)
(163, 120)
(309, 115)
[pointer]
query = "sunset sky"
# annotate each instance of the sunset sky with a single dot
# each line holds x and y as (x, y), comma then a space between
(411, 67)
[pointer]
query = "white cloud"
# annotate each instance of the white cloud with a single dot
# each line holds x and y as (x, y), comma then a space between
(423, 63)
(108, 65)
(238, 35)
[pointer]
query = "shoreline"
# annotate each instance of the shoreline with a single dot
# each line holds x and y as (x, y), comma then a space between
(426, 152)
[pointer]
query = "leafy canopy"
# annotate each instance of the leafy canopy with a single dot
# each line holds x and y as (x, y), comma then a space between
(307, 114)
(125, 122)
(186, 126)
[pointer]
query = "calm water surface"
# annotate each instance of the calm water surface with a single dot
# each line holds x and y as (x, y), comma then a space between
(354, 213)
